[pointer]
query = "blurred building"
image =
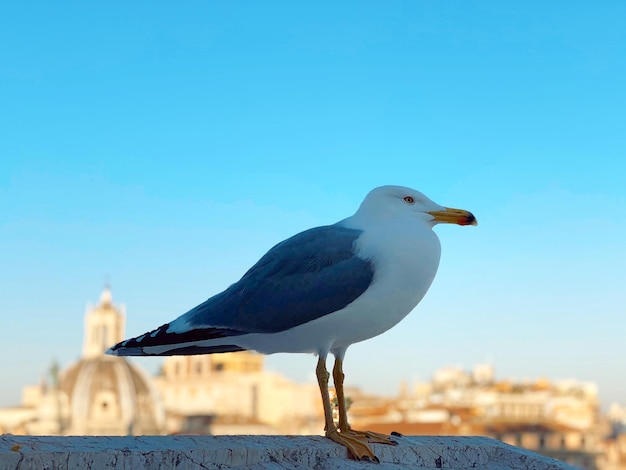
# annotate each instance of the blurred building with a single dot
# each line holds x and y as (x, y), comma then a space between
(98, 395)
(231, 393)
(107, 395)
(558, 419)
(615, 443)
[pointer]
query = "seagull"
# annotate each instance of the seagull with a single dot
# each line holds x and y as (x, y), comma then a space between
(319, 292)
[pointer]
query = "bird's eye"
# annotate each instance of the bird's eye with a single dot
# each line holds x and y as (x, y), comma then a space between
(409, 199)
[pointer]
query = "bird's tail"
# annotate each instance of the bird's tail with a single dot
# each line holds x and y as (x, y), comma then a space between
(165, 342)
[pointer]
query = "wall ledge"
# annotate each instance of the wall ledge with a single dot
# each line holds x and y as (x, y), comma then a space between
(259, 453)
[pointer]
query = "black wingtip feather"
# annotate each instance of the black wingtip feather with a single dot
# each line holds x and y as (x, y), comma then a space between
(160, 337)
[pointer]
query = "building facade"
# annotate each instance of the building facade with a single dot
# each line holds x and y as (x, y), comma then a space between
(231, 393)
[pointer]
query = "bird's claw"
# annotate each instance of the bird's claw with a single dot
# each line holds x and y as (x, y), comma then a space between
(372, 437)
(356, 444)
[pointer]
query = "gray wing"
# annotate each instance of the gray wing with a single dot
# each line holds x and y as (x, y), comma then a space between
(305, 277)
(302, 278)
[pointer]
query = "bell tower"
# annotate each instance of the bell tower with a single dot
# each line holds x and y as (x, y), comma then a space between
(104, 325)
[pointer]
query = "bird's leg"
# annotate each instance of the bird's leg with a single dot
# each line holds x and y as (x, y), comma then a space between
(338, 377)
(356, 445)
(344, 426)
(322, 380)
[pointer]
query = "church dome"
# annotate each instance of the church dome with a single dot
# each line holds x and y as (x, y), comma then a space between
(110, 396)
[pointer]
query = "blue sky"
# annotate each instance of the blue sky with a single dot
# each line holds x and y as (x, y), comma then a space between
(169, 146)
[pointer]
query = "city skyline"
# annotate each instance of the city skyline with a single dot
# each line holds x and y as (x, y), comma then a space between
(169, 149)
(156, 363)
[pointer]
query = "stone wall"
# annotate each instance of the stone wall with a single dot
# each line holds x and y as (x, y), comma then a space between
(258, 452)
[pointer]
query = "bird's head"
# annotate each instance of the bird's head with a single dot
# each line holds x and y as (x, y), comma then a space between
(386, 202)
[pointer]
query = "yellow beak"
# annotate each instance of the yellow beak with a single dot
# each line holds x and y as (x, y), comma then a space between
(454, 216)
